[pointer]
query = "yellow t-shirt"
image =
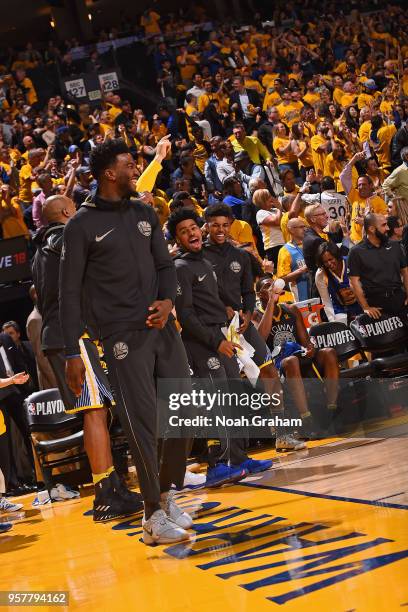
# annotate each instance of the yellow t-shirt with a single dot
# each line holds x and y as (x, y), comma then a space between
(268, 79)
(311, 98)
(360, 207)
(200, 156)
(338, 93)
(290, 113)
(364, 99)
(347, 100)
(150, 23)
(26, 182)
(284, 266)
(385, 135)
(241, 231)
(187, 70)
(2, 423)
(306, 161)
(272, 98)
(387, 106)
(319, 157)
(253, 146)
(364, 131)
(283, 158)
(14, 224)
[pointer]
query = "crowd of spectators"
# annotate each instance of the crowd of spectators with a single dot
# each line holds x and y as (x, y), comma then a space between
(299, 125)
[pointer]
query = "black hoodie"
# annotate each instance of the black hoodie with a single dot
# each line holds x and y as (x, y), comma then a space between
(45, 268)
(199, 308)
(234, 275)
(115, 264)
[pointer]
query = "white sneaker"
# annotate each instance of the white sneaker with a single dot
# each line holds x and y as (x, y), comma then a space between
(175, 514)
(6, 506)
(159, 529)
(192, 480)
(61, 492)
(289, 442)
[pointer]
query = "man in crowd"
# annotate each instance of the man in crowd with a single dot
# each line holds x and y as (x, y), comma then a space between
(378, 271)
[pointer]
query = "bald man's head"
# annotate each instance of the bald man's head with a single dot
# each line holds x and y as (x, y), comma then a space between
(296, 228)
(58, 209)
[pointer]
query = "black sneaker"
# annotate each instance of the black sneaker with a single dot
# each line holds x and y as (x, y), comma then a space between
(109, 504)
(123, 491)
(308, 431)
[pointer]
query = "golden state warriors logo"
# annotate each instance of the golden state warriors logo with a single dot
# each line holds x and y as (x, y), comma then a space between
(144, 228)
(235, 266)
(213, 363)
(120, 350)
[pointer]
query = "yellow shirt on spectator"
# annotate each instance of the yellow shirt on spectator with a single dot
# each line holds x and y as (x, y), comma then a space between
(385, 135)
(241, 231)
(311, 98)
(13, 225)
(254, 147)
(283, 158)
(319, 157)
(150, 23)
(290, 113)
(272, 98)
(360, 207)
(364, 131)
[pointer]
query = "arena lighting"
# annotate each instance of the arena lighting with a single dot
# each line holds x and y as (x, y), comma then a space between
(52, 23)
(89, 16)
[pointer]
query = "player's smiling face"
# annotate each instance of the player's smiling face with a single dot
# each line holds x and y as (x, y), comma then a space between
(189, 236)
(219, 229)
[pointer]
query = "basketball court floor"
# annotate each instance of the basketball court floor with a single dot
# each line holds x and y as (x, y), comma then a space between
(325, 529)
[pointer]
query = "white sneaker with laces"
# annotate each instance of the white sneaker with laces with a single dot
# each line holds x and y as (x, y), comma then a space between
(289, 442)
(159, 529)
(6, 506)
(175, 514)
(193, 480)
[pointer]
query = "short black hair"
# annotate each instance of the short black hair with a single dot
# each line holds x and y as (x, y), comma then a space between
(327, 247)
(104, 155)
(370, 220)
(328, 183)
(13, 324)
(218, 210)
(179, 215)
(393, 223)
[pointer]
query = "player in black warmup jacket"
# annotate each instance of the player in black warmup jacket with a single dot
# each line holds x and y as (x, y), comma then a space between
(202, 314)
(112, 498)
(116, 272)
(232, 267)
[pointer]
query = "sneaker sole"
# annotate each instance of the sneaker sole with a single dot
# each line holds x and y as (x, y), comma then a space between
(101, 517)
(226, 481)
(149, 540)
(259, 470)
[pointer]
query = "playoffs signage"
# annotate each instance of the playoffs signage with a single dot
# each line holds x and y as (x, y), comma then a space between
(14, 261)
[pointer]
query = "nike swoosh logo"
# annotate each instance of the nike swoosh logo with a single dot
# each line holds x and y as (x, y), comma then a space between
(387, 248)
(99, 238)
(201, 278)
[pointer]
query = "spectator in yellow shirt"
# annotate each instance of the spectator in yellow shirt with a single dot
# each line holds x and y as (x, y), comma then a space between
(289, 110)
(282, 145)
(363, 200)
(320, 144)
(365, 124)
(257, 152)
(11, 216)
(380, 138)
(150, 22)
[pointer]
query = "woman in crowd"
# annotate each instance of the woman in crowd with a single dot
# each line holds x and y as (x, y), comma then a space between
(333, 285)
